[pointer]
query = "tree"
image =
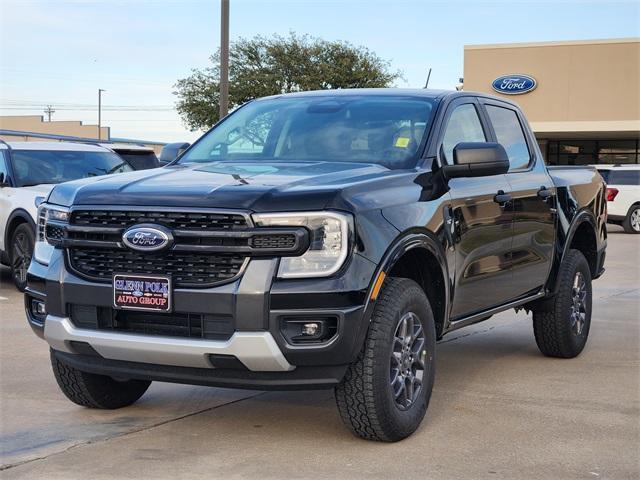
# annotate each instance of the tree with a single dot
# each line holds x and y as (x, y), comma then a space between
(267, 66)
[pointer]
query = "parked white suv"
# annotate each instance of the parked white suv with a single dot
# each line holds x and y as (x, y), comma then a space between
(623, 195)
(28, 172)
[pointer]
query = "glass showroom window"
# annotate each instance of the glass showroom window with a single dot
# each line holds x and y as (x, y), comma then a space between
(618, 151)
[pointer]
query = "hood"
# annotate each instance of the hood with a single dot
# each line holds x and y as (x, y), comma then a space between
(257, 186)
(41, 190)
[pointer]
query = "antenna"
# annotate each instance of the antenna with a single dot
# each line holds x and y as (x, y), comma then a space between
(426, 85)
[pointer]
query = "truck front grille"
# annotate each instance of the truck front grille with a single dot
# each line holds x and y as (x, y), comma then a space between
(197, 220)
(186, 269)
(207, 247)
(96, 252)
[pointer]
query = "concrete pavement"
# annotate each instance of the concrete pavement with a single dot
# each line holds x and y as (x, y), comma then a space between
(499, 410)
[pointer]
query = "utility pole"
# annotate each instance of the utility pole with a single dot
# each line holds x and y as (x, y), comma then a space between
(49, 111)
(224, 58)
(100, 90)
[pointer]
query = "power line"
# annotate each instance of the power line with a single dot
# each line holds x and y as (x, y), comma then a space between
(35, 103)
(93, 109)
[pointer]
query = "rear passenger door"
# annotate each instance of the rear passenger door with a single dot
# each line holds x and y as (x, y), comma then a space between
(483, 226)
(533, 195)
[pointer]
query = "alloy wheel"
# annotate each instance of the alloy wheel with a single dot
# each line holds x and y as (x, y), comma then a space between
(578, 312)
(22, 253)
(635, 220)
(407, 362)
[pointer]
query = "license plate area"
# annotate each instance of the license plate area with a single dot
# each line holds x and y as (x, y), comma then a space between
(142, 292)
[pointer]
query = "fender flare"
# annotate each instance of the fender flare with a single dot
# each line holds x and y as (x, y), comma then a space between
(583, 216)
(580, 218)
(17, 213)
(405, 242)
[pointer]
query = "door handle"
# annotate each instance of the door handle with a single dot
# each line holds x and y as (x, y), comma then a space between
(502, 198)
(544, 193)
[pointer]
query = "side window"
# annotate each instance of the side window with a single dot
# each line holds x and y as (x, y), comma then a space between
(463, 126)
(4, 171)
(624, 177)
(510, 135)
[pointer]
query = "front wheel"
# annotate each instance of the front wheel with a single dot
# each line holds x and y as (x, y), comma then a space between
(93, 390)
(385, 392)
(631, 223)
(22, 242)
(561, 325)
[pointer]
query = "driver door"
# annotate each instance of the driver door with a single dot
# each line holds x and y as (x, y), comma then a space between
(483, 226)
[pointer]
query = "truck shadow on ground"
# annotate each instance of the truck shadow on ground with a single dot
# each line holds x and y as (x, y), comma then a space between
(471, 359)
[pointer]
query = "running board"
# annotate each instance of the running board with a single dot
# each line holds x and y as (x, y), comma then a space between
(478, 317)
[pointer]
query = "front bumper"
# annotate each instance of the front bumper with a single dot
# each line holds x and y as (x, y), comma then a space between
(257, 351)
(256, 303)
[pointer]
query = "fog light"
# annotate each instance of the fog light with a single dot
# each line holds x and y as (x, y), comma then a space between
(38, 308)
(310, 329)
(299, 330)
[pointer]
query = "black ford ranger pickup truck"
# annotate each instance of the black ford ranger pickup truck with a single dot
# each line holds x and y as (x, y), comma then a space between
(317, 240)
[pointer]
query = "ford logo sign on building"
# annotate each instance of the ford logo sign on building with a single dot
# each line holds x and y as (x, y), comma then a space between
(147, 239)
(514, 84)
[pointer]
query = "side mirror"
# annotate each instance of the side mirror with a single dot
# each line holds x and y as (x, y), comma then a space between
(480, 159)
(3, 180)
(171, 151)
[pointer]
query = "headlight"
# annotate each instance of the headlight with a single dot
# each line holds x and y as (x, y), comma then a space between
(328, 242)
(47, 214)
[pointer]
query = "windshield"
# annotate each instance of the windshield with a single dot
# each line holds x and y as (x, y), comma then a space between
(386, 130)
(35, 167)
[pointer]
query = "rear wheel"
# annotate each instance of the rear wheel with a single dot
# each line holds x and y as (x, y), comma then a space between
(22, 242)
(386, 391)
(96, 391)
(561, 325)
(631, 223)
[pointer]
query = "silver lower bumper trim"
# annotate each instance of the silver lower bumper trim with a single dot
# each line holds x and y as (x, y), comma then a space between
(258, 351)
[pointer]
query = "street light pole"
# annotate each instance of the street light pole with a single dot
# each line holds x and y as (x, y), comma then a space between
(100, 90)
(224, 58)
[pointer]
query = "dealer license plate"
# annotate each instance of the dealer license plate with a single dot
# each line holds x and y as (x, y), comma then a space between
(142, 292)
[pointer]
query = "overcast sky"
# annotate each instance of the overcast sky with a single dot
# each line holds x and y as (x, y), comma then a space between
(60, 52)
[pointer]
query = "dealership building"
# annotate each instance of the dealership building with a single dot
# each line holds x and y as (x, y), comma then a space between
(582, 98)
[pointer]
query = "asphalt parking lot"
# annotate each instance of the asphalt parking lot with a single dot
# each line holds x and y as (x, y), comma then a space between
(499, 410)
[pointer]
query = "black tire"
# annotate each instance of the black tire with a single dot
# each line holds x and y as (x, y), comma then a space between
(365, 396)
(561, 324)
(96, 391)
(631, 222)
(21, 251)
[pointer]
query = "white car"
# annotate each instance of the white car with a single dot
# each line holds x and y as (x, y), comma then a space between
(28, 172)
(623, 195)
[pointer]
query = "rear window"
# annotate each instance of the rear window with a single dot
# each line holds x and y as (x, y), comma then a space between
(36, 167)
(604, 174)
(623, 177)
(140, 160)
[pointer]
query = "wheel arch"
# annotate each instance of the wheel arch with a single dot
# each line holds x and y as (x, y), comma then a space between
(417, 255)
(581, 235)
(17, 217)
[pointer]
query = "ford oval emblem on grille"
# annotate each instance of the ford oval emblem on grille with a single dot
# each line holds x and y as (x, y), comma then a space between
(147, 238)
